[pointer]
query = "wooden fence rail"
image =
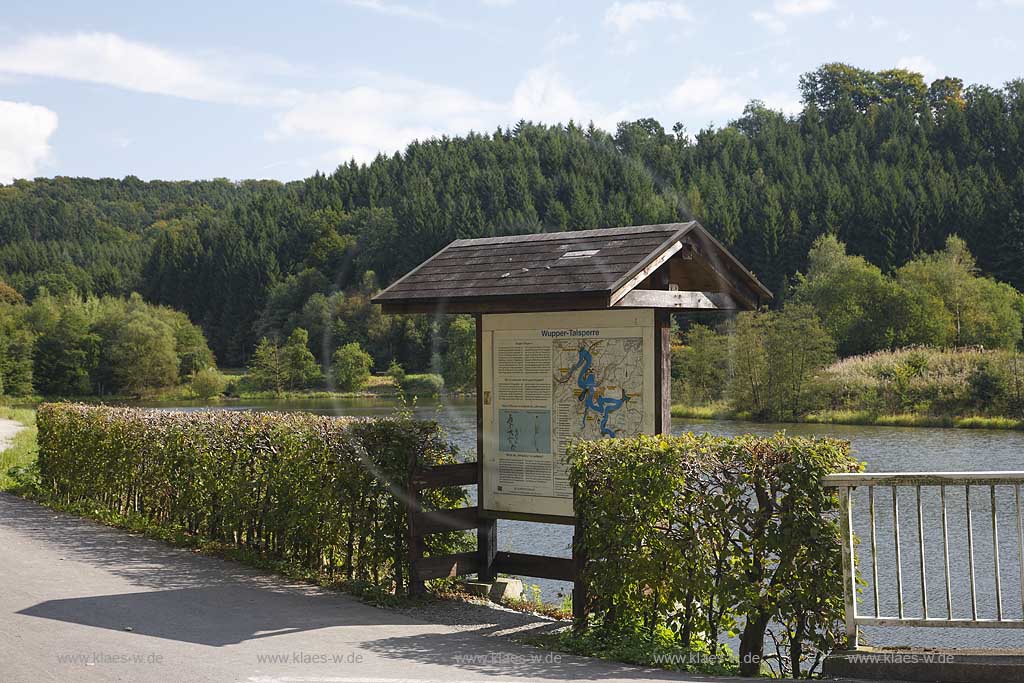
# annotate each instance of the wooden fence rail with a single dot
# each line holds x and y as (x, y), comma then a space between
(485, 561)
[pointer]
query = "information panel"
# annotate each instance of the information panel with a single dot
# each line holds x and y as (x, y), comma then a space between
(549, 378)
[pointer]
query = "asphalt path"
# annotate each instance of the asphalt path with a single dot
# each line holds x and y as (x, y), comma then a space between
(80, 601)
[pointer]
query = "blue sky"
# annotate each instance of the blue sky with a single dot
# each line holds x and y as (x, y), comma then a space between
(263, 89)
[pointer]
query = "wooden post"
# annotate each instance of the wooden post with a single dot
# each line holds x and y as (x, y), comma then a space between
(416, 542)
(662, 372)
(487, 531)
(579, 587)
(662, 358)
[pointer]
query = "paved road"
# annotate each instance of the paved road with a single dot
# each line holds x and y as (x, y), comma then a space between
(8, 428)
(84, 602)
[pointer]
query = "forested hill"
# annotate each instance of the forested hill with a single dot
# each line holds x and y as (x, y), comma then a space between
(890, 164)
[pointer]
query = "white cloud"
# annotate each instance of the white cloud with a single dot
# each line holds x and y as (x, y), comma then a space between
(25, 131)
(769, 20)
(560, 36)
(625, 16)
(109, 59)
(791, 8)
(706, 92)
(386, 116)
(921, 65)
(775, 20)
(402, 11)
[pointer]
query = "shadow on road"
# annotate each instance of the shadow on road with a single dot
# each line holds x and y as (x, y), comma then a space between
(202, 600)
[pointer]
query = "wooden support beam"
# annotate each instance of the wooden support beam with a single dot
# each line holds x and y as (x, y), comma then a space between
(692, 301)
(437, 521)
(446, 566)
(641, 274)
(462, 474)
(541, 566)
(487, 529)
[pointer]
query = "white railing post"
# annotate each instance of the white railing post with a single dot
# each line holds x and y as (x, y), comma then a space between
(925, 483)
(849, 567)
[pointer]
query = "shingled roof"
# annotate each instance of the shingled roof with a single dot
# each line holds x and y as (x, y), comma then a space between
(566, 270)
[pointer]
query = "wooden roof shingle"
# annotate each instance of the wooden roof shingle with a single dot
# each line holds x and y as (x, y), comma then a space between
(493, 273)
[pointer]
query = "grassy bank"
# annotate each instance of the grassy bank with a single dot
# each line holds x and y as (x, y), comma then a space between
(721, 411)
(378, 386)
(23, 448)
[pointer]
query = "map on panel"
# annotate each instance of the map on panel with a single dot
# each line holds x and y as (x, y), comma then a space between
(599, 387)
(551, 379)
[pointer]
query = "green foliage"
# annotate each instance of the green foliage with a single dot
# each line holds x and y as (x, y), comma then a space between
(975, 311)
(18, 468)
(775, 356)
(888, 165)
(72, 346)
(300, 367)
(17, 346)
(861, 308)
(267, 371)
(310, 490)
(207, 383)
(929, 382)
(701, 365)
(688, 537)
(397, 374)
(139, 354)
(423, 384)
(459, 363)
(350, 367)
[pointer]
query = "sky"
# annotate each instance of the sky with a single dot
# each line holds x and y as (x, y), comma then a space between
(270, 89)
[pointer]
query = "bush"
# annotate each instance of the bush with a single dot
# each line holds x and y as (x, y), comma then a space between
(427, 384)
(312, 490)
(350, 367)
(207, 383)
(686, 537)
(397, 374)
(938, 383)
(459, 364)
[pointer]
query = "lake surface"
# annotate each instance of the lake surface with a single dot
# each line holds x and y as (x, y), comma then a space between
(884, 449)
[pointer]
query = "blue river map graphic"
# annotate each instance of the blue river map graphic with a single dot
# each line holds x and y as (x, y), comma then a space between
(587, 382)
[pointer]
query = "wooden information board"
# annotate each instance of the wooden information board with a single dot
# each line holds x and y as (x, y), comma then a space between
(550, 378)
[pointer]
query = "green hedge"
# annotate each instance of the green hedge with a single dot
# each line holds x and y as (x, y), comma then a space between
(689, 537)
(320, 491)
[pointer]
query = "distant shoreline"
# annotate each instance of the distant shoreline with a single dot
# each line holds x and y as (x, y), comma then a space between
(852, 417)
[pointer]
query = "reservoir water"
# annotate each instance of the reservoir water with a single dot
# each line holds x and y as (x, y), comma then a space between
(883, 449)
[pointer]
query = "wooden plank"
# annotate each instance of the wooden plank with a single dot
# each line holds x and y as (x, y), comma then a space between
(568, 234)
(651, 298)
(416, 545)
(540, 566)
(461, 474)
(493, 290)
(629, 281)
(529, 517)
(525, 252)
(662, 372)
(511, 303)
(590, 278)
(445, 566)
(617, 263)
(438, 521)
(487, 528)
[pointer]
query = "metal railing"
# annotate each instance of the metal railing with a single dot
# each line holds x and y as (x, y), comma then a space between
(921, 484)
